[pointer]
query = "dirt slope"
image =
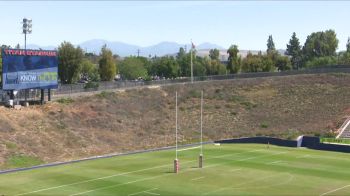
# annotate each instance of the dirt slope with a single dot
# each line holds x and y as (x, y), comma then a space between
(145, 118)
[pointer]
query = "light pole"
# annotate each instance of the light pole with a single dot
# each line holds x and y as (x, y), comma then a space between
(27, 29)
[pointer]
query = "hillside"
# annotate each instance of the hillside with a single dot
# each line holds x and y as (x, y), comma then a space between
(145, 118)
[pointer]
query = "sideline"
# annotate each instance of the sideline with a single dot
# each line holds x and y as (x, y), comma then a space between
(188, 148)
(98, 157)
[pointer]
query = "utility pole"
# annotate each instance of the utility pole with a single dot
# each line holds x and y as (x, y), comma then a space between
(138, 52)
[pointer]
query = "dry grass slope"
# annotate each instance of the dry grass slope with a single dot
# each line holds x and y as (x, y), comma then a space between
(144, 118)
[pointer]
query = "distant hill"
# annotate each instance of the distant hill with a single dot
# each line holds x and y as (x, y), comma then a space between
(36, 47)
(125, 49)
(160, 49)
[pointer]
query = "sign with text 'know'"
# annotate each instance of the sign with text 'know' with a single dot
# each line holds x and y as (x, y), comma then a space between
(29, 69)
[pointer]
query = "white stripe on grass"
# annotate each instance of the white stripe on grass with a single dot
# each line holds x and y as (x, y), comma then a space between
(274, 162)
(184, 149)
(195, 179)
(291, 177)
(158, 176)
(248, 182)
(126, 173)
(245, 159)
(146, 191)
(150, 193)
(92, 180)
(234, 170)
(335, 190)
(117, 185)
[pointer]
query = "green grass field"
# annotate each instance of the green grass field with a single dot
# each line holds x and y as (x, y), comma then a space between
(230, 169)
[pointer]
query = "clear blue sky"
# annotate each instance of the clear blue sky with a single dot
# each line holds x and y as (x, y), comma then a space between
(144, 23)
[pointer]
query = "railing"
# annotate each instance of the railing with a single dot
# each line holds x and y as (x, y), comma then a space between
(78, 88)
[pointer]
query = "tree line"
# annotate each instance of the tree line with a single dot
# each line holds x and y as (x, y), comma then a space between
(319, 49)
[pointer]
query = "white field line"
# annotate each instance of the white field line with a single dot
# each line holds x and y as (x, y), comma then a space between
(234, 170)
(303, 156)
(329, 157)
(227, 188)
(238, 160)
(117, 185)
(274, 162)
(291, 177)
(158, 176)
(334, 190)
(125, 173)
(91, 180)
(142, 191)
(194, 179)
(188, 148)
(150, 193)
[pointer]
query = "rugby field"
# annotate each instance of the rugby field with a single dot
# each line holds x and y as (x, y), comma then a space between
(229, 169)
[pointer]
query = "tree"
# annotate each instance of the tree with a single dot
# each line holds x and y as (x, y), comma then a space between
(320, 44)
(282, 63)
(213, 67)
(198, 66)
(167, 67)
(181, 53)
(214, 54)
(183, 60)
(257, 63)
(270, 45)
(348, 45)
(89, 71)
(344, 58)
(321, 61)
(294, 51)
(69, 63)
(107, 64)
(133, 68)
(234, 62)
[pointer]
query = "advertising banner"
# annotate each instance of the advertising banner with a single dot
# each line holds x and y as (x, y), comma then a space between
(29, 69)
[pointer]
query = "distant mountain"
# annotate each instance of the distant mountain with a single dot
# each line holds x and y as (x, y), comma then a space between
(36, 47)
(120, 48)
(208, 45)
(123, 49)
(160, 49)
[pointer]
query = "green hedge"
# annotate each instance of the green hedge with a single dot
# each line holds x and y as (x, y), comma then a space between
(334, 140)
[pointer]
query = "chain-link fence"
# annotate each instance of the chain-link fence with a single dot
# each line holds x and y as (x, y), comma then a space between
(76, 88)
(34, 94)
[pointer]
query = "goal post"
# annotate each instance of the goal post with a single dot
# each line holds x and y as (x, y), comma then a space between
(200, 161)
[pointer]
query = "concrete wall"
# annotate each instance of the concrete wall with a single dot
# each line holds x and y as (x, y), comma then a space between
(314, 143)
(262, 140)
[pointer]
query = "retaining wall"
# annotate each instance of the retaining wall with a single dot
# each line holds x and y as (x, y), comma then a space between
(262, 140)
(314, 143)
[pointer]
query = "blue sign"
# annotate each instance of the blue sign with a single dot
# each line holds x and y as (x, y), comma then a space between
(29, 69)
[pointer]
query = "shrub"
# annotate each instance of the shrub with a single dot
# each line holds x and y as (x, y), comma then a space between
(16, 161)
(65, 100)
(264, 125)
(91, 85)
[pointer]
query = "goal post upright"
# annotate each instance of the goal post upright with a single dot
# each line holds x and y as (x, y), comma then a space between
(176, 161)
(200, 161)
